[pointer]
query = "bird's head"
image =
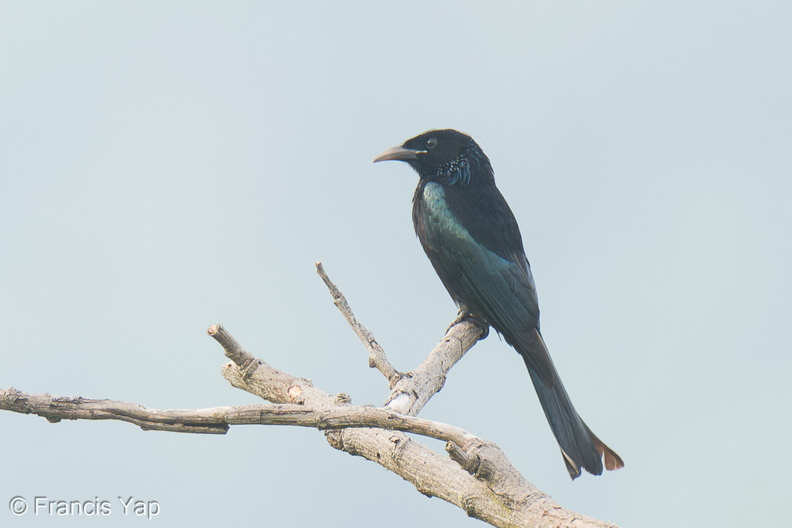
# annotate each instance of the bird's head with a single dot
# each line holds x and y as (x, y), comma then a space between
(445, 156)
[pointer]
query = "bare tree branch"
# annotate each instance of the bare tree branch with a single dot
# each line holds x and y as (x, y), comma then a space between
(476, 476)
(217, 420)
(377, 358)
(411, 391)
(414, 390)
(57, 408)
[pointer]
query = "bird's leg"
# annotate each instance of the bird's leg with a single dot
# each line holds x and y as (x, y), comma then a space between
(463, 314)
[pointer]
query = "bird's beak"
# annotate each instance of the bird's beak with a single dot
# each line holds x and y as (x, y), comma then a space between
(398, 153)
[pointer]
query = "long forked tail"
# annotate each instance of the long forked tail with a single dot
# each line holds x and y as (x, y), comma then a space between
(580, 447)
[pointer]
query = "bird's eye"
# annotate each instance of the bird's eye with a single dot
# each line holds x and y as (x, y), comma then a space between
(431, 143)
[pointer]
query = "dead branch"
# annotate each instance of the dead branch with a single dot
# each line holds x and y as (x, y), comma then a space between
(217, 420)
(476, 476)
(377, 358)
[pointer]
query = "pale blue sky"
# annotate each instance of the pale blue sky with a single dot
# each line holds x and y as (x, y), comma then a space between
(169, 165)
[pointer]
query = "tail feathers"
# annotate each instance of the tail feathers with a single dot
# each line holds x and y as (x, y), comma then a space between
(580, 447)
(612, 460)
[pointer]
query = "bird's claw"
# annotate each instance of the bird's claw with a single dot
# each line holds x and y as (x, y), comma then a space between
(464, 314)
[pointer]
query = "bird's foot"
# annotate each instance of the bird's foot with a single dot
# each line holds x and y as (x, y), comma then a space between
(462, 314)
(465, 314)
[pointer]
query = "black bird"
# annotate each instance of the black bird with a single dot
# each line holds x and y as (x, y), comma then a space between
(472, 239)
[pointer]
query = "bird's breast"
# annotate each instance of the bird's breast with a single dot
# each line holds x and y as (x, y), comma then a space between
(440, 222)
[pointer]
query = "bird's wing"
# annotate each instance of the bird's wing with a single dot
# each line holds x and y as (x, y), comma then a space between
(497, 289)
(502, 289)
(490, 257)
(474, 244)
